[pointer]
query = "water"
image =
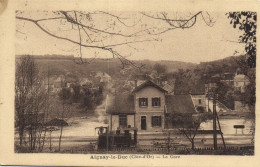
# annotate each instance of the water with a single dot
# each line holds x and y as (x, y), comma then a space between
(80, 127)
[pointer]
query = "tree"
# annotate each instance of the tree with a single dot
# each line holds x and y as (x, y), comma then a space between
(65, 110)
(106, 32)
(61, 103)
(188, 81)
(246, 22)
(188, 124)
(30, 99)
(65, 94)
(200, 109)
(160, 69)
(76, 92)
(225, 94)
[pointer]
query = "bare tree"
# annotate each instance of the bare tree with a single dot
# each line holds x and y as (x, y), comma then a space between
(63, 114)
(29, 100)
(181, 20)
(110, 33)
(188, 124)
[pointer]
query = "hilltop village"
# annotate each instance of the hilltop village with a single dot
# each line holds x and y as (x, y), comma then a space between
(151, 103)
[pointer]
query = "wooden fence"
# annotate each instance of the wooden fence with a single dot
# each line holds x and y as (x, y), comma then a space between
(143, 149)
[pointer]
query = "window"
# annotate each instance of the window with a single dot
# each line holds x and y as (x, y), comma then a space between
(156, 101)
(143, 102)
(199, 101)
(122, 121)
(156, 121)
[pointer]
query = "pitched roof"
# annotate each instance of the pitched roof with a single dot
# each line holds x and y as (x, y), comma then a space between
(240, 77)
(120, 104)
(124, 104)
(179, 104)
(168, 87)
(227, 76)
(102, 74)
(146, 84)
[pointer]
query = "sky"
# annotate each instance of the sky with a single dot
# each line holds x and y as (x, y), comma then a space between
(197, 44)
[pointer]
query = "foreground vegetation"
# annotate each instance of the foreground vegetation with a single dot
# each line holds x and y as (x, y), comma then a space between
(90, 149)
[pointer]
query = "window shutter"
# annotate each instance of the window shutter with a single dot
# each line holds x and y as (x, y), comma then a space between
(160, 121)
(159, 101)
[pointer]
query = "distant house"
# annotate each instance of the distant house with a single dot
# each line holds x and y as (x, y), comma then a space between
(199, 101)
(146, 108)
(228, 78)
(59, 82)
(70, 81)
(211, 82)
(240, 82)
(104, 77)
(84, 81)
(55, 83)
(135, 83)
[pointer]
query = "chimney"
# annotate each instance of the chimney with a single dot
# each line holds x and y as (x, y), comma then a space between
(135, 83)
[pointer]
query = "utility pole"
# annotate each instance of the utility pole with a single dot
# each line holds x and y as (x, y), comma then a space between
(214, 122)
(168, 142)
(208, 97)
(63, 108)
(107, 138)
(221, 133)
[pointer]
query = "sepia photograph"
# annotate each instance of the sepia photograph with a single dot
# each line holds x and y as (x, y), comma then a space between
(129, 84)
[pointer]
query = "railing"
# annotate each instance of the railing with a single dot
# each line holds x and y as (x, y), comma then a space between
(223, 106)
(165, 149)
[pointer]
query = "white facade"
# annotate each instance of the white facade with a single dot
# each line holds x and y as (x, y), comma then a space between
(240, 82)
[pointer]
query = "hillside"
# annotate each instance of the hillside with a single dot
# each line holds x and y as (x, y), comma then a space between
(172, 66)
(65, 65)
(193, 79)
(187, 77)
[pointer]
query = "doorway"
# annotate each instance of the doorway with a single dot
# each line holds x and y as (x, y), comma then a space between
(143, 122)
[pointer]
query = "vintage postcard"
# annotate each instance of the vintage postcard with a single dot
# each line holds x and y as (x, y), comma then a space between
(126, 83)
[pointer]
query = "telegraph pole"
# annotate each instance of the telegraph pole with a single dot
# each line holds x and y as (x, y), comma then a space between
(214, 122)
(208, 97)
